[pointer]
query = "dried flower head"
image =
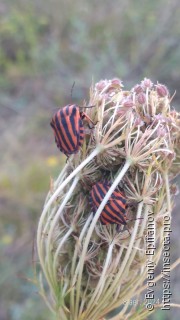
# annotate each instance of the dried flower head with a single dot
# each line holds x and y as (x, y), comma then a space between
(92, 268)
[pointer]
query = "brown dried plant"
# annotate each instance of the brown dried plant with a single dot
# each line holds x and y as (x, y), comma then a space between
(92, 269)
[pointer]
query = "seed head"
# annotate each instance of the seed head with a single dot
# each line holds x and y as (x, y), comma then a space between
(162, 90)
(146, 83)
(91, 268)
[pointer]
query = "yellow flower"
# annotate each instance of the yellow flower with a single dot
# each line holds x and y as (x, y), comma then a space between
(52, 161)
(6, 239)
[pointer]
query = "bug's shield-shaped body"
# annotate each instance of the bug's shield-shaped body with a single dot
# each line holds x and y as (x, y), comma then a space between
(68, 129)
(114, 211)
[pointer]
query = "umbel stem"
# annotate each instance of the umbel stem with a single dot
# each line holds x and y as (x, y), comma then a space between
(54, 196)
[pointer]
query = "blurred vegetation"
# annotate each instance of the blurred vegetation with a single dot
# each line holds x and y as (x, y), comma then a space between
(44, 47)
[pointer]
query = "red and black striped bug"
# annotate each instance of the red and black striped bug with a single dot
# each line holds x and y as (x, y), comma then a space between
(114, 211)
(68, 128)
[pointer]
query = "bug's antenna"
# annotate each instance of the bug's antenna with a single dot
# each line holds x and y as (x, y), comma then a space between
(72, 89)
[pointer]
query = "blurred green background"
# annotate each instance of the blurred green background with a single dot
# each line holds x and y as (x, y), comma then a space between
(44, 47)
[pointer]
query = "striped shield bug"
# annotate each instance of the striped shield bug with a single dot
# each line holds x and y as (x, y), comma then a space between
(115, 209)
(68, 128)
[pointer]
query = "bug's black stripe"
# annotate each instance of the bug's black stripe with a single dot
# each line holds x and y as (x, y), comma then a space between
(67, 110)
(52, 123)
(106, 209)
(65, 126)
(78, 131)
(118, 206)
(65, 142)
(73, 122)
(81, 131)
(74, 109)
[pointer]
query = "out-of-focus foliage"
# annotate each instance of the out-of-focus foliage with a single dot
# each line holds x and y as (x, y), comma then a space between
(44, 47)
(79, 40)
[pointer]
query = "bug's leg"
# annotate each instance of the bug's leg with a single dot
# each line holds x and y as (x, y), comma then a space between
(67, 158)
(134, 219)
(84, 115)
(133, 203)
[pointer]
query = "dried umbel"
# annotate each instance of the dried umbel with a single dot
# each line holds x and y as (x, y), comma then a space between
(92, 268)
